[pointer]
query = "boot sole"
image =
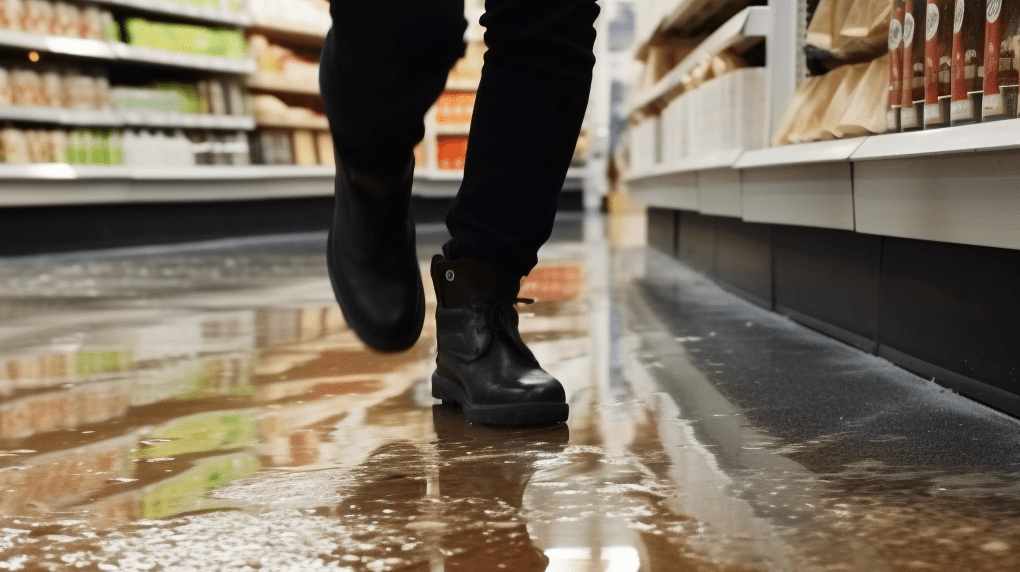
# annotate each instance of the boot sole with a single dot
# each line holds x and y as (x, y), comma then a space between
(373, 341)
(508, 414)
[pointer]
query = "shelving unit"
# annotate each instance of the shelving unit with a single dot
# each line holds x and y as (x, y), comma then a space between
(64, 184)
(902, 244)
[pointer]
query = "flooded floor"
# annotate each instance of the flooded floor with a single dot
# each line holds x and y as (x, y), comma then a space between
(204, 407)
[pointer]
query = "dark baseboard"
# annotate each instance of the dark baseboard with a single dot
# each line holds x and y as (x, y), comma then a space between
(847, 337)
(972, 388)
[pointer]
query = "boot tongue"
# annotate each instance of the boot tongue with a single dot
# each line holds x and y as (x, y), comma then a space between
(466, 281)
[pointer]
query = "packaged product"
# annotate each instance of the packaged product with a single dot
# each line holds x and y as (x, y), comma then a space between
(66, 19)
(304, 147)
(968, 50)
(451, 151)
(52, 89)
(1002, 36)
(324, 141)
(846, 31)
(11, 14)
(91, 23)
(866, 112)
(6, 92)
(37, 17)
(840, 87)
(938, 48)
(895, 90)
(913, 65)
(14, 146)
(26, 87)
(58, 142)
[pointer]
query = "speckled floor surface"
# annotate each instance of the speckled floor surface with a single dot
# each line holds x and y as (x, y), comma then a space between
(204, 407)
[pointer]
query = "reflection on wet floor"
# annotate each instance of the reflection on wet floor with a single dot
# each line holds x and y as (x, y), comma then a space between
(206, 408)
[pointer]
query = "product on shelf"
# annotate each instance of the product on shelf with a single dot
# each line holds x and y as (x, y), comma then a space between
(420, 158)
(847, 31)
(911, 113)
(324, 142)
(272, 147)
(455, 107)
(1002, 47)
(221, 42)
(270, 109)
(849, 101)
(938, 36)
(80, 146)
(220, 97)
(968, 51)
(58, 19)
(451, 150)
(42, 87)
(895, 90)
(278, 61)
(311, 14)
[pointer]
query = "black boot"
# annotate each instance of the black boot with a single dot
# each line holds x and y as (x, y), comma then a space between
(372, 260)
(483, 364)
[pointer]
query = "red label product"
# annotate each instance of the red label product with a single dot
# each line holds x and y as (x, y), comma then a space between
(968, 53)
(1002, 27)
(938, 51)
(913, 64)
(895, 66)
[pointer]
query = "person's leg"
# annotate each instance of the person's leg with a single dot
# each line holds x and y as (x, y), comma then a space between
(383, 64)
(530, 104)
(527, 117)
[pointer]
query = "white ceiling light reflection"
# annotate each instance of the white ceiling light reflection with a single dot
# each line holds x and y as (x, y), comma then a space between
(609, 559)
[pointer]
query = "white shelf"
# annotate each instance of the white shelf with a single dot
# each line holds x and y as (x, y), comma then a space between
(749, 26)
(70, 117)
(685, 19)
(707, 161)
(188, 121)
(171, 8)
(462, 84)
(143, 54)
(317, 124)
(802, 154)
(453, 128)
(119, 51)
(63, 184)
(992, 136)
(113, 118)
(279, 83)
(295, 33)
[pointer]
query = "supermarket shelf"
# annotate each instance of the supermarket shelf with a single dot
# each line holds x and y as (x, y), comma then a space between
(112, 118)
(290, 33)
(741, 31)
(119, 51)
(57, 44)
(275, 82)
(707, 161)
(184, 10)
(316, 123)
(452, 128)
(146, 55)
(63, 184)
(462, 84)
(688, 17)
(445, 184)
(979, 137)
(802, 154)
(189, 121)
(76, 117)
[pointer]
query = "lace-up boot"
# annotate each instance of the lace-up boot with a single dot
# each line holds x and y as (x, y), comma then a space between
(483, 364)
(372, 259)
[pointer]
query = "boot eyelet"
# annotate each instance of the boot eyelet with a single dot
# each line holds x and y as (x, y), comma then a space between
(449, 275)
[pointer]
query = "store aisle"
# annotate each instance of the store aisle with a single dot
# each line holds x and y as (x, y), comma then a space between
(204, 407)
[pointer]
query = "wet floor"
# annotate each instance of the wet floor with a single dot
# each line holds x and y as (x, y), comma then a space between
(204, 407)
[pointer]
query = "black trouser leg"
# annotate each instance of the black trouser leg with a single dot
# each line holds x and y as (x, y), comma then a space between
(383, 65)
(528, 113)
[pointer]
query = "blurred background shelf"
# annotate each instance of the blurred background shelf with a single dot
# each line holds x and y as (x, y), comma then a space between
(236, 18)
(113, 118)
(278, 83)
(289, 33)
(750, 26)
